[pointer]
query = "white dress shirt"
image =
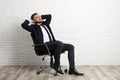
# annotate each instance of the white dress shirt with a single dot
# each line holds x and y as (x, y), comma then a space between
(45, 34)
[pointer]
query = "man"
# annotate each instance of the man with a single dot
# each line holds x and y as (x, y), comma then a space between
(43, 34)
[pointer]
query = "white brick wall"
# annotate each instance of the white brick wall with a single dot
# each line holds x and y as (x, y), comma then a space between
(93, 26)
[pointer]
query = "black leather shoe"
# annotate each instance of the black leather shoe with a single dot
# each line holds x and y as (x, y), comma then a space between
(58, 69)
(75, 72)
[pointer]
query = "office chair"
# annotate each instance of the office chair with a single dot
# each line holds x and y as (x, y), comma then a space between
(43, 50)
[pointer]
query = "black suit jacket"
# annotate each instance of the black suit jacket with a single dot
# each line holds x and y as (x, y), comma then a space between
(36, 32)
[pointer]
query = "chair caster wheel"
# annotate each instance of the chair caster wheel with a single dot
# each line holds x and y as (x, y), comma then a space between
(66, 70)
(55, 74)
(38, 73)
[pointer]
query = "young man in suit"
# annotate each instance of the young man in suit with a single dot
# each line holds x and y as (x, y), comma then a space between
(44, 34)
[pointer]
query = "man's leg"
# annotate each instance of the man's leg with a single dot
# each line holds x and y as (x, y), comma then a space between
(56, 47)
(70, 49)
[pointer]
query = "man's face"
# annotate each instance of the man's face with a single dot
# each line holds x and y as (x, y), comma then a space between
(37, 18)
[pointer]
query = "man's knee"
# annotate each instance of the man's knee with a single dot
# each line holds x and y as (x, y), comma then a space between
(72, 46)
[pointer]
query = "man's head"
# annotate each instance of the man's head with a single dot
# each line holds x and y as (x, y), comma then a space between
(36, 18)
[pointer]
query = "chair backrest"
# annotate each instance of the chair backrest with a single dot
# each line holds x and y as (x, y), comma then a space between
(39, 50)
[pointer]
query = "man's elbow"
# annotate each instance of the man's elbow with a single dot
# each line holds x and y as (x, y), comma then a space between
(22, 25)
(50, 16)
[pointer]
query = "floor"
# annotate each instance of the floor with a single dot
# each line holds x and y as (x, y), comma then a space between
(29, 73)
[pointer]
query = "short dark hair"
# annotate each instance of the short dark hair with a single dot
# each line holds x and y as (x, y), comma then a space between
(32, 16)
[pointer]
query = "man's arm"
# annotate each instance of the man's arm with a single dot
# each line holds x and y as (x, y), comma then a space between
(26, 26)
(47, 23)
(48, 19)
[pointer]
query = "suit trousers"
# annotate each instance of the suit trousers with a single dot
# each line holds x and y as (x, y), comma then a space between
(58, 47)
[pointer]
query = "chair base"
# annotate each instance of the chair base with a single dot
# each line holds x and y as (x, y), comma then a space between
(41, 68)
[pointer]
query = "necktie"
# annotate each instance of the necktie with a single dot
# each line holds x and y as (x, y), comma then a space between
(47, 32)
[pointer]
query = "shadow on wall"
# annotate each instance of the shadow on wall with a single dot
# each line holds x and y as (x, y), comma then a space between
(22, 53)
